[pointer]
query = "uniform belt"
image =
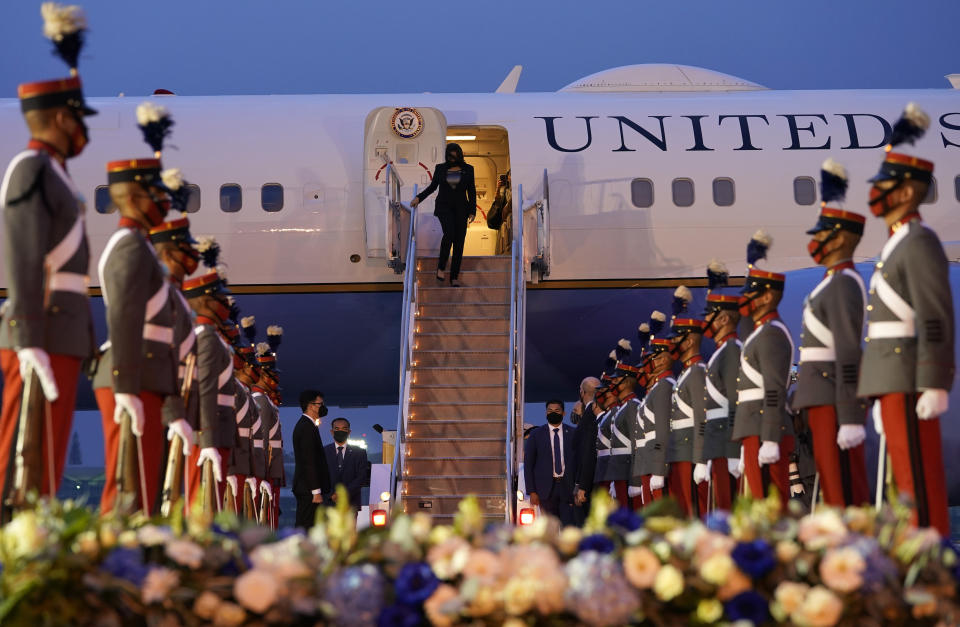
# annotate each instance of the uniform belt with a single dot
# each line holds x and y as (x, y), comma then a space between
(752, 394)
(683, 423)
(258, 444)
(157, 333)
(243, 432)
(275, 443)
(68, 282)
(225, 400)
(603, 452)
(624, 450)
(717, 413)
(640, 443)
(649, 436)
(817, 353)
(890, 330)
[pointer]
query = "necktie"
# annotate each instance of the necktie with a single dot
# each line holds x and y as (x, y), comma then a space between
(339, 457)
(557, 461)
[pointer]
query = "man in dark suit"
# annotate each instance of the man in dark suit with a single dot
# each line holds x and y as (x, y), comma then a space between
(311, 477)
(585, 438)
(348, 464)
(549, 465)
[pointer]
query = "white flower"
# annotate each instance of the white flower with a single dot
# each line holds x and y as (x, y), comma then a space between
(256, 590)
(281, 559)
(172, 178)
(152, 535)
(158, 584)
(185, 553)
(148, 112)
(835, 168)
(658, 316)
(60, 20)
(23, 536)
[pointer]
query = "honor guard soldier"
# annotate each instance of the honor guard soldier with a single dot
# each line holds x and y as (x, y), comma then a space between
(248, 376)
(206, 468)
(656, 419)
(175, 248)
(830, 349)
(722, 315)
(47, 329)
(762, 424)
(908, 361)
(688, 467)
(272, 435)
(623, 381)
(627, 422)
(605, 409)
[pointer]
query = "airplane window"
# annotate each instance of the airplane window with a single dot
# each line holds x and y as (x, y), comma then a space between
(931, 193)
(101, 200)
(723, 192)
(682, 192)
(271, 197)
(193, 200)
(231, 198)
(641, 192)
(804, 190)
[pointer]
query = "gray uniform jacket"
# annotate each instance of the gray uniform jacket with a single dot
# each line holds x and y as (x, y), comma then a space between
(688, 416)
(139, 318)
(910, 329)
(185, 341)
(259, 452)
(830, 347)
(216, 394)
(241, 454)
(272, 439)
(603, 445)
(46, 259)
(762, 384)
(621, 446)
(721, 401)
(656, 416)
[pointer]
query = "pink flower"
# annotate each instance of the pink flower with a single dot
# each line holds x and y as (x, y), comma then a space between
(790, 595)
(641, 566)
(441, 608)
(821, 608)
(821, 530)
(842, 569)
(448, 558)
(158, 583)
(483, 565)
(256, 590)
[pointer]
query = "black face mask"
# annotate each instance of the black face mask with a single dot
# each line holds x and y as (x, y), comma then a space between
(323, 411)
(554, 417)
(340, 436)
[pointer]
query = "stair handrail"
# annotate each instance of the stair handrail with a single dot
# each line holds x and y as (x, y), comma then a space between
(407, 327)
(393, 214)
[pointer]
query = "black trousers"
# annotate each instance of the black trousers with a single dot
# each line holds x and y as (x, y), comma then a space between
(306, 510)
(559, 503)
(453, 221)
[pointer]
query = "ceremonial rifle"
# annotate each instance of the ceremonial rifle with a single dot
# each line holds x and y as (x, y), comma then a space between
(173, 477)
(28, 464)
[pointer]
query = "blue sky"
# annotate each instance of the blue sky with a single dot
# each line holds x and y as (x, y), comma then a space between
(216, 47)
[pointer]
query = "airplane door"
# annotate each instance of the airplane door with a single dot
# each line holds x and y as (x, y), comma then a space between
(410, 140)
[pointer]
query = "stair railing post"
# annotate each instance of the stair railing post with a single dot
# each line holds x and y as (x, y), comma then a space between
(407, 329)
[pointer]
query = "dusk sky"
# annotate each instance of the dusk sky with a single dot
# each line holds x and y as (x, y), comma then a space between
(216, 47)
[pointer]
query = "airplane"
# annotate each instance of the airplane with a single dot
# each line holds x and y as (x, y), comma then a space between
(648, 172)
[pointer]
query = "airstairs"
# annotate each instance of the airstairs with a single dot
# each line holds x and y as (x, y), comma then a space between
(459, 428)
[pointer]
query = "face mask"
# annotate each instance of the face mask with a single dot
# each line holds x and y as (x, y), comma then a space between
(189, 264)
(746, 305)
(79, 137)
(323, 411)
(554, 418)
(340, 436)
(221, 311)
(708, 326)
(818, 249)
(878, 200)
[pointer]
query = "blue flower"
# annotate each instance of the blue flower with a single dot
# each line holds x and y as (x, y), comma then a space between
(719, 521)
(948, 547)
(415, 583)
(126, 564)
(755, 558)
(286, 532)
(749, 606)
(399, 616)
(625, 519)
(597, 542)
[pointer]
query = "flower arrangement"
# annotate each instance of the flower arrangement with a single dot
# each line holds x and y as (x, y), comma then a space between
(755, 565)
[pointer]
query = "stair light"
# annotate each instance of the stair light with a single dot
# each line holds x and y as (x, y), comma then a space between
(384, 496)
(378, 518)
(519, 495)
(527, 516)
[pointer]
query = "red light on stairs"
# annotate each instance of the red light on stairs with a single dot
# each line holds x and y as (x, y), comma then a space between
(378, 518)
(527, 516)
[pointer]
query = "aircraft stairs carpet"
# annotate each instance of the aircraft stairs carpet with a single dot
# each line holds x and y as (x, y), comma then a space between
(456, 428)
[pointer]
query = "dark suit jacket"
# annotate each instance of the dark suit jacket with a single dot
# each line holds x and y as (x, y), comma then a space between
(538, 462)
(310, 472)
(463, 199)
(355, 473)
(585, 436)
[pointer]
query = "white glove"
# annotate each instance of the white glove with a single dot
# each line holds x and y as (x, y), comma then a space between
(266, 489)
(37, 360)
(850, 436)
(633, 491)
(656, 482)
(182, 428)
(212, 455)
(877, 418)
(232, 482)
(735, 466)
(252, 482)
(131, 404)
(769, 453)
(700, 473)
(932, 404)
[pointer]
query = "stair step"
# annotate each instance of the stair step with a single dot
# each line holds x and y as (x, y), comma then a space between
(419, 428)
(448, 503)
(456, 358)
(453, 411)
(462, 325)
(458, 393)
(464, 310)
(492, 278)
(455, 466)
(463, 294)
(426, 375)
(448, 519)
(461, 341)
(450, 447)
(469, 264)
(454, 485)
